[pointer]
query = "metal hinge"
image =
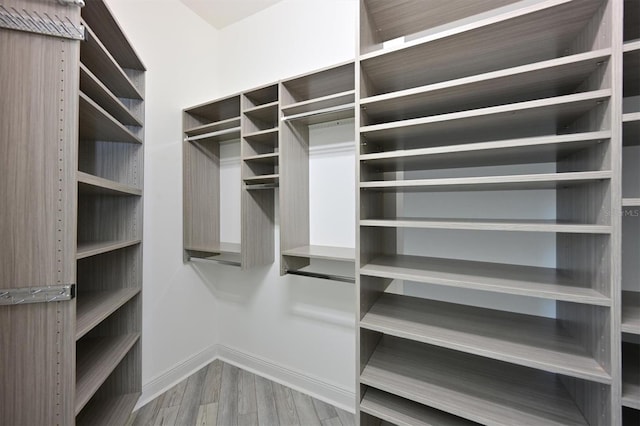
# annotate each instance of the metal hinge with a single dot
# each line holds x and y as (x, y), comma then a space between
(20, 296)
(34, 23)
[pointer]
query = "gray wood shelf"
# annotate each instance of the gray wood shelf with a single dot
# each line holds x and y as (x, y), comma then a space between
(98, 125)
(631, 375)
(221, 248)
(271, 178)
(96, 359)
(631, 202)
(631, 312)
(217, 136)
(530, 33)
(324, 102)
(264, 112)
(108, 411)
(521, 225)
(486, 391)
(94, 306)
(530, 281)
(403, 412)
(631, 128)
(99, 93)
(631, 68)
(335, 113)
(270, 158)
(90, 184)
(493, 120)
(230, 123)
(491, 183)
(318, 84)
(532, 81)
(344, 254)
(88, 249)
(525, 340)
(504, 152)
(99, 61)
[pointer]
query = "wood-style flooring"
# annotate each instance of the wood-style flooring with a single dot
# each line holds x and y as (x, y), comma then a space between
(223, 395)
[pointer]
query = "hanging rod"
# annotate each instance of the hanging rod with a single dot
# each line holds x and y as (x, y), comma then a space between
(319, 112)
(34, 23)
(322, 276)
(212, 134)
(259, 186)
(21, 296)
(220, 261)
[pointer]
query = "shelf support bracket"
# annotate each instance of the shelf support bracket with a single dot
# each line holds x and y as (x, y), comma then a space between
(34, 23)
(21, 296)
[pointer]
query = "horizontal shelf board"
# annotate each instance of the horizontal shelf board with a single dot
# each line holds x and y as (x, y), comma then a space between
(264, 110)
(631, 46)
(334, 79)
(513, 151)
(216, 136)
(214, 127)
(403, 412)
(538, 80)
(272, 178)
(111, 411)
(271, 158)
(96, 58)
(95, 306)
(335, 99)
(216, 111)
(102, 22)
(334, 113)
(482, 390)
(631, 128)
(631, 375)
(344, 254)
(519, 225)
(96, 358)
(631, 312)
(268, 135)
(491, 183)
(631, 69)
(520, 280)
(527, 34)
(525, 340)
(262, 95)
(89, 249)
(90, 184)
(631, 202)
(96, 90)
(223, 247)
(98, 125)
(530, 113)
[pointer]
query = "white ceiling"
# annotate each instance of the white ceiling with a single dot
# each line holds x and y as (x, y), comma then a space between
(221, 13)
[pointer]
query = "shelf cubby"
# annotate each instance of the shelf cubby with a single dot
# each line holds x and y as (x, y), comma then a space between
(108, 411)
(631, 312)
(97, 124)
(94, 185)
(631, 375)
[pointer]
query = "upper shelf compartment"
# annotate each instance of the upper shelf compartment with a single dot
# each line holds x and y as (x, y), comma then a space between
(212, 119)
(518, 34)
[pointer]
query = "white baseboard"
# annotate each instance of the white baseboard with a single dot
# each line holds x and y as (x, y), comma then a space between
(313, 386)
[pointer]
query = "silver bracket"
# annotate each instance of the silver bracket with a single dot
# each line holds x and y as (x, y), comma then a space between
(34, 23)
(20, 296)
(72, 2)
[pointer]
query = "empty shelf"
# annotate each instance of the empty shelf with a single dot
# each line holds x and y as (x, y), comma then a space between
(110, 411)
(519, 225)
(95, 306)
(530, 281)
(403, 412)
(631, 202)
(530, 33)
(512, 151)
(525, 340)
(631, 128)
(90, 184)
(216, 136)
(92, 87)
(631, 375)
(221, 248)
(631, 69)
(269, 136)
(231, 123)
(98, 125)
(491, 183)
(329, 101)
(491, 121)
(631, 312)
(531, 81)
(482, 390)
(271, 158)
(96, 358)
(267, 113)
(89, 249)
(323, 252)
(321, 83)
(272, 178)
(97, 59)
(334, 113)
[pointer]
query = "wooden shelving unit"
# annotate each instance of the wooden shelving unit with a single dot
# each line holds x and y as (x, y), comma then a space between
(530, 111)
(630, 208)
(109, 233)
(319, 97)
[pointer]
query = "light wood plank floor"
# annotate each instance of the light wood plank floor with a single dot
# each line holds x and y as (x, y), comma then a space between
(223, 395)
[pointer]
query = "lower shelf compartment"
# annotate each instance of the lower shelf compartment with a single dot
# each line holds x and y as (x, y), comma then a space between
(343, 254)
(111, 411)
(478, 389)
(631, 375)
(402, 412)
(96, 358)
(94, 306)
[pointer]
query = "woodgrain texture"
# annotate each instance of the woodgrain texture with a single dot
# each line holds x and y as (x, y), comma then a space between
(318, 84)
(322, 252)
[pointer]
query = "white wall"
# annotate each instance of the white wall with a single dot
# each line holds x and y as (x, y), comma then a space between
(178, 49)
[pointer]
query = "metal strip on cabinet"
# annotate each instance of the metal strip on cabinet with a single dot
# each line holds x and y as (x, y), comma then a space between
(20, 296)
(33, 22)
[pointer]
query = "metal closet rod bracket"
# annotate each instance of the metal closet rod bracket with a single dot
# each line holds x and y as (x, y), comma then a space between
(213, 260)
(21, 296)
(72, 2)
(330, 277)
